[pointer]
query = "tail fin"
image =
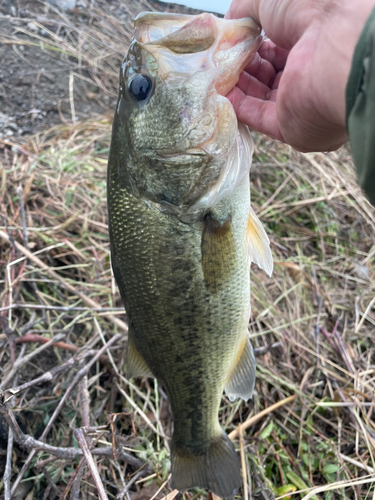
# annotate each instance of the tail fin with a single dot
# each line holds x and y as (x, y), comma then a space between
(217, 469)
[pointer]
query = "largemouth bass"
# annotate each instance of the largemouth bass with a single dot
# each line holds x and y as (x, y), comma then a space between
(182, 231)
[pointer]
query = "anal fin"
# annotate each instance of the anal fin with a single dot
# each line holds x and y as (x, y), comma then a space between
(259, 244)
(241, 381)
(136, 366)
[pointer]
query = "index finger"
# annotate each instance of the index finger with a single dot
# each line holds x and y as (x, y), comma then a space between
(239, 9)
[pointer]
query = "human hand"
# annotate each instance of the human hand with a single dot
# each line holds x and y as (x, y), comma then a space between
(294, 89)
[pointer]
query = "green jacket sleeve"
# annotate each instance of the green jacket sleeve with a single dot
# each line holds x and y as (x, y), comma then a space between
(360, 108)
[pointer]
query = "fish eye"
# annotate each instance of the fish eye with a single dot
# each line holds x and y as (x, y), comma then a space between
(141, 87)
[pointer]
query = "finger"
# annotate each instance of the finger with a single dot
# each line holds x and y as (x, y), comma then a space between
(261, 69)
(251, 86)
(274, 54)
(258, 114)
(272, 96)
(239, 9)
(276, 82)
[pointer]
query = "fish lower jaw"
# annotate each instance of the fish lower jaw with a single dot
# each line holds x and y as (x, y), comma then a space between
(231, 60)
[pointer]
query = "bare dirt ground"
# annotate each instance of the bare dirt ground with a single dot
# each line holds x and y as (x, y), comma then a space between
(308, 432)
(40, 86)
(34, 84)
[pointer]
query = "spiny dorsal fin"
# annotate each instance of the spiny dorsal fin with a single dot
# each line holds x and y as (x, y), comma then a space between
(259, 244)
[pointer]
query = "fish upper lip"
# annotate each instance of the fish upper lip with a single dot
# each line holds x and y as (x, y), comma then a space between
(233, 44)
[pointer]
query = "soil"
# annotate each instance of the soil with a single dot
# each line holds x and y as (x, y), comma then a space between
(34, 85)
(35, 92)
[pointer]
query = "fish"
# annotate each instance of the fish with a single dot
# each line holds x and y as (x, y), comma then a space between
(182, 231)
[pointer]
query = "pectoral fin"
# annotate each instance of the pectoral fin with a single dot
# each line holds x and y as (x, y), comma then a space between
(240, 383)
(259, 244)
(218, 251)
(136, 366)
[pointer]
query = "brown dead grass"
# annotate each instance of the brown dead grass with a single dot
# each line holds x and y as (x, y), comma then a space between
(312, 323)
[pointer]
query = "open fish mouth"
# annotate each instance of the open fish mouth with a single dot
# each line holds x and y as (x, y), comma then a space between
(205, 53)
(181, 44)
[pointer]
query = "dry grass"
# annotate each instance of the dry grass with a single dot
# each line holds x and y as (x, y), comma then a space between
(312, 323)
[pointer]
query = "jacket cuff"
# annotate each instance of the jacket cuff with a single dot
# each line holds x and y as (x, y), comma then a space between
(360, 107)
